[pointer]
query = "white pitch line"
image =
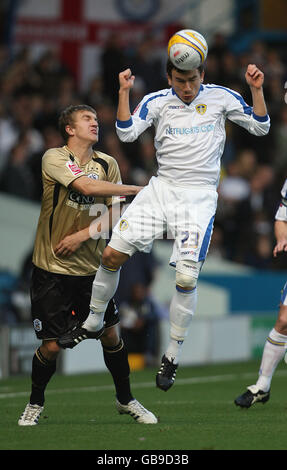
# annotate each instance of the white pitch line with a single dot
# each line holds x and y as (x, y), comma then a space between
(187, 381)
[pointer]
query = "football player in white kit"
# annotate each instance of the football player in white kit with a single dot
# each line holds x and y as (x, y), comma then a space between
(276, 343)
(189, 121)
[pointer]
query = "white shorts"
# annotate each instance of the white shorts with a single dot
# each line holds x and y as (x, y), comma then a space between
(161, 210)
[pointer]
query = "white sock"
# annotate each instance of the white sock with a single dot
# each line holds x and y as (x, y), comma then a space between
(104, 288)
(182, 308)
(274, 350)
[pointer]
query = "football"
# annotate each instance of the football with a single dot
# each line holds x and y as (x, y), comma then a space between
(187, 49)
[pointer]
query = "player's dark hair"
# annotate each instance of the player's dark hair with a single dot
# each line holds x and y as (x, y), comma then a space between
(170, 66)
(67, 117)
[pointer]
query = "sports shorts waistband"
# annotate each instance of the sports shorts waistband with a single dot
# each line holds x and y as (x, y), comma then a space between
(210, 187)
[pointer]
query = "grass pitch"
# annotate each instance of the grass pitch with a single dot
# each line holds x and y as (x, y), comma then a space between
(197, 413)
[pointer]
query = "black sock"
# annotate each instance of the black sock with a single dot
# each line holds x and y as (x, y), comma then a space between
(116, 360)
(42, 371)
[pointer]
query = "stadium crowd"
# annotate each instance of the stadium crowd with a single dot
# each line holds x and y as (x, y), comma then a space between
(33, 93)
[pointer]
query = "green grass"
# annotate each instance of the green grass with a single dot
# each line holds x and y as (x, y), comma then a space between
(198, 413)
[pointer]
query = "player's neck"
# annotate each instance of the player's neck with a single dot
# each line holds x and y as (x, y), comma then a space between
(81, 151)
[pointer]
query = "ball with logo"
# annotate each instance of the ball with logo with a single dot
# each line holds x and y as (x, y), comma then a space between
(187, 49)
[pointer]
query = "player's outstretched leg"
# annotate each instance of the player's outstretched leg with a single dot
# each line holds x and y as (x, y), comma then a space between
(104, 288)
(77, 335)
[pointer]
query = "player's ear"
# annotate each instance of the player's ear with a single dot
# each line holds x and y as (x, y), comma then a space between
(168, 79)
(69, 129)
(202, 76)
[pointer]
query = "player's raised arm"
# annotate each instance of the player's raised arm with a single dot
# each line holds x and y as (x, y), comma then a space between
(129, 127)
(126, 81)
(254, 118)
(255, 79)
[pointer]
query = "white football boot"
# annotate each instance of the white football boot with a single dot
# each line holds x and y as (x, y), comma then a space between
(137, 411)
(31, 415)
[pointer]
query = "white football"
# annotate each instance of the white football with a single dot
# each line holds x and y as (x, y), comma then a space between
(187, 49)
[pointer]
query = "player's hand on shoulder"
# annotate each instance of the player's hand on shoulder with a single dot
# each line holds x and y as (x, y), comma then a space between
(254, 76)
(126, 79)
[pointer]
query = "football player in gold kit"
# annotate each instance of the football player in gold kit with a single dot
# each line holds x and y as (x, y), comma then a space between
(67, 254)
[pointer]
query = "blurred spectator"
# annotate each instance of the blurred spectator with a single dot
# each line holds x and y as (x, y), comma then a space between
(242, 167)
(51, 139)
(258, 253)
(4, 57)
(147, 65)
(274, 67)
(280, 157)
(95, 93)
(275, 99)
(51, 71)
(217, 248)
(20, 297)
(140, 269)
(254, 215)
(258, 54)
(24, 122)
(17, 178)
(8, 285)
(212, 69)
(8, 136)
(113, 61)
(233, 187)
(218, 46)
(137, 92)
(235, 183)
(139, 323)
(247, 162)
(67, 93)
(230, 75)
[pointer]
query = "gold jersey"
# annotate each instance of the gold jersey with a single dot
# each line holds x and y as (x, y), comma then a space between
(65, 211)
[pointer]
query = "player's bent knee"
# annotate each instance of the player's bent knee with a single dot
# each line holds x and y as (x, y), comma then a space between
(187, 272)
(50, 349)
(185, 282)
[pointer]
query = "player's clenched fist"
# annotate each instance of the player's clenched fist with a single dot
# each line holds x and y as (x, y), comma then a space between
(126, 79)
(254, 76)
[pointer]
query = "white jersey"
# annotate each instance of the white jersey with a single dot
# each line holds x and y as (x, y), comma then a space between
(281, 213)
(189, 138)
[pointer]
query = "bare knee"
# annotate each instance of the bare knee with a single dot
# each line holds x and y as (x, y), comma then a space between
(113, 259)
(50, 349)
(110, 337)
